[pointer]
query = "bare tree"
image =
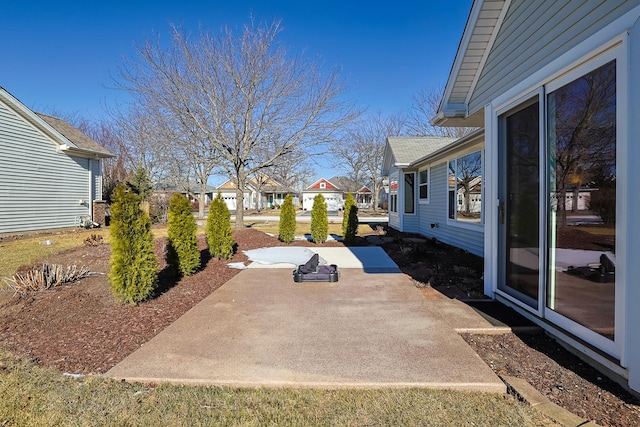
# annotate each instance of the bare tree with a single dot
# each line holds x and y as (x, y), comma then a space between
(423, 108)
(362, 149)
(236, 95)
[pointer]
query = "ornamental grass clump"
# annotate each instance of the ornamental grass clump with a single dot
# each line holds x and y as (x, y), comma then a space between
(134, 267)
(287, 226)
(350, 220)
(182, 255)
(45, 276)
(319, 220)
(219, 234)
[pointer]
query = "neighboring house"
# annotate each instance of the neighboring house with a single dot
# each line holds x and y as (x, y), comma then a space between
(556, 87)
(228, 192)
(272, 193)
(209, 193)
(383, 195)
(435, 188)
(50, 172)
(333, 195)
(364, 197)
(258, 195)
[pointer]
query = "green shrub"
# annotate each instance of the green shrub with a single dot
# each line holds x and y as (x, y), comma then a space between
(287, 226)
(183, 255)
(140, 183)
(134, 267)
(350, 220)
(319, 220)
(219, 235)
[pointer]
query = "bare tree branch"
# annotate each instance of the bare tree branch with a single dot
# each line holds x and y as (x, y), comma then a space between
(237, 98)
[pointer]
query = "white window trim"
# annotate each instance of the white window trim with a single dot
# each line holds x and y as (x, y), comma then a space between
(456, 222)
(427, 200)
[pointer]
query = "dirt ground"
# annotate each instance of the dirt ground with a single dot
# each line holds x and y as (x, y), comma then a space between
(80, 328)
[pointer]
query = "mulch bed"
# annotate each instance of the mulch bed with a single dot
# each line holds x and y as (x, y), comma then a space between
(80, 328)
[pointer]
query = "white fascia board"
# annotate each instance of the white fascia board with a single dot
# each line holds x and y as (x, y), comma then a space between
(476, 8)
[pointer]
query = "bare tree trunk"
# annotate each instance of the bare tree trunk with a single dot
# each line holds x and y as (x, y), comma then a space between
(240, 206)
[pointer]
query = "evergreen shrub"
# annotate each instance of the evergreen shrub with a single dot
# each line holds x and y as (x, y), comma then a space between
(350, 220)
(219, 234)
(183, 255)
(287, 226)
(319, 220)
(134, 268)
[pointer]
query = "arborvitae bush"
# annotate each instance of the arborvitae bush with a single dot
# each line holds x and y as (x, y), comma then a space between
(319, 220)
(134, 267)
(183, 255)
(350, 220)
(287, 226)
(219, 235)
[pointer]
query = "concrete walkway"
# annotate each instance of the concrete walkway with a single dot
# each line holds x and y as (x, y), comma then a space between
(373, 328)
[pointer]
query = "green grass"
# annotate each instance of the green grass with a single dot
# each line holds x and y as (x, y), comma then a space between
(36, 396)
(26, 251)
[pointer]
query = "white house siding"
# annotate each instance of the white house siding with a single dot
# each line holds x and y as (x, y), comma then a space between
(542, 36)
(333, 200)
(39, 188)
(435, 213)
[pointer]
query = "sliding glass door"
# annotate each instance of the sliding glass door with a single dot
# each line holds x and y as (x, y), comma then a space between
(519, 205)
(557, 202)
(581, 123)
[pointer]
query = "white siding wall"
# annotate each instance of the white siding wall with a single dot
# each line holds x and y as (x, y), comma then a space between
(39, 188)
(435, 212)
(542, 36)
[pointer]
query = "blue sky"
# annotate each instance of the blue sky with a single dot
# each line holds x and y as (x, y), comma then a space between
(61, 55)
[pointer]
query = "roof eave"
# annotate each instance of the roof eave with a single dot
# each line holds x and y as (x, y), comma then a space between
(467, 140)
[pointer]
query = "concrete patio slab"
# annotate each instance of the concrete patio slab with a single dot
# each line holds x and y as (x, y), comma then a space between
(261, 329)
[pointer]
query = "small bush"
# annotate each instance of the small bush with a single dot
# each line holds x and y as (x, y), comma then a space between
(93, 240)
(182, 255)
(219, 235)
(350, 220)
(319, 220)
(134, 267)
(287, 226)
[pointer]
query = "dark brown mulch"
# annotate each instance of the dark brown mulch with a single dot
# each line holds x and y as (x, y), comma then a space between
(80, 328)
(559, 375)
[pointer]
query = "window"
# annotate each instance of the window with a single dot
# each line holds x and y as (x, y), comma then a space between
(393, 194)
(323, 185)
(409, 191)
(423, 185)
(465, 188)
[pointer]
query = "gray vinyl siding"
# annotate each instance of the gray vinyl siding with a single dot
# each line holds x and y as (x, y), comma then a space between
(39, 188)
(534, 33)
(436, 213)
(96, 176)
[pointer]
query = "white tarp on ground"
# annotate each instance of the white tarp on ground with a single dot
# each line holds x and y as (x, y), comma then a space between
(295, 255)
